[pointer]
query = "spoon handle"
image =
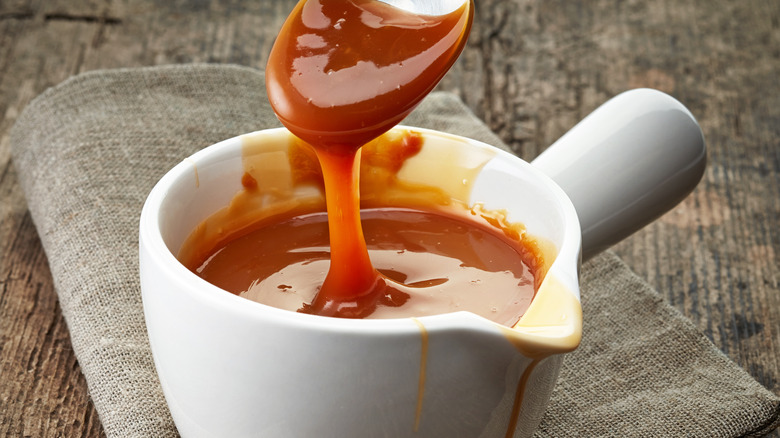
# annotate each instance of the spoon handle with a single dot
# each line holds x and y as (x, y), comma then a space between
(626, 164)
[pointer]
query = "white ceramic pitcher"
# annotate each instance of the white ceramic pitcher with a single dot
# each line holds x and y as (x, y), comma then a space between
(233, 367)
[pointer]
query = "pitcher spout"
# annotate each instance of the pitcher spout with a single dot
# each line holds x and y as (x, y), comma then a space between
(553, 322)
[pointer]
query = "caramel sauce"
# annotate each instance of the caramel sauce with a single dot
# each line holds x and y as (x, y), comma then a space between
(341, 73)
(439, 261)
(439, 254)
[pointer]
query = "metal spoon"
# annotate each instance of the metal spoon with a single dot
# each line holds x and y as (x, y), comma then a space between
(427, 7)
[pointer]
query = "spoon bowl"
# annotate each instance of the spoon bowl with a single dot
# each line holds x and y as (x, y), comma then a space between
(342, 73)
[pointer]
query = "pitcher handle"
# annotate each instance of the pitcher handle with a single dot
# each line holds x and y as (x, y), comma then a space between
(626, 164)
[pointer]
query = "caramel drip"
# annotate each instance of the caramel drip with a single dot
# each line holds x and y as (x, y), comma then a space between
(423, 363)
(195, 170)
(551, 325)
(519, 394)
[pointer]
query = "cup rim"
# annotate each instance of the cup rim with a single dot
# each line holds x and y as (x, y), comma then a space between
(565, 267)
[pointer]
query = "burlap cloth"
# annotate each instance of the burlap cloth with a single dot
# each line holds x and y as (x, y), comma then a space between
(88, 152)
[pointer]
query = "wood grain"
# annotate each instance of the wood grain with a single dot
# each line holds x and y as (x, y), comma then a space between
(531, 70)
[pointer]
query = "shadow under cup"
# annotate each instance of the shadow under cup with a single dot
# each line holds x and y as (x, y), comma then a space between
(233, 367)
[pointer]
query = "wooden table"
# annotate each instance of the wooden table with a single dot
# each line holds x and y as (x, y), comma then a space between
(531, 70)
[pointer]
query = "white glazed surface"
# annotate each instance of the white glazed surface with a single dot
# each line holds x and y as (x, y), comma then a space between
(626, 164)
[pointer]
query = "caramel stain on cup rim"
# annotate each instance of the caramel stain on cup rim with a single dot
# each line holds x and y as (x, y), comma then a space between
(194, 171)
(552, 324)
